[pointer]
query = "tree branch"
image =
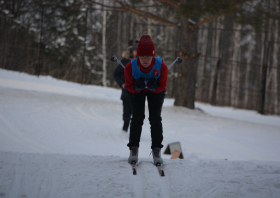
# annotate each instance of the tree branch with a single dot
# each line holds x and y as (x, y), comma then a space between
(144, 14)
(126, 8)
(169, 2)
(216, 16)
(103, 5)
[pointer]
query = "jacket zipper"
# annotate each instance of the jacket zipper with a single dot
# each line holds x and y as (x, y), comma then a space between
(145, 70)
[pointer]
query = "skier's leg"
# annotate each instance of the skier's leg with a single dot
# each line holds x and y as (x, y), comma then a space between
(137, 102)
(126, 114)
(155, 102)
(129, 111)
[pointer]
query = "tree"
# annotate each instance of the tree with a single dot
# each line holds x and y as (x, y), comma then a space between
(190, 15)
(43, 36)
(104, 78)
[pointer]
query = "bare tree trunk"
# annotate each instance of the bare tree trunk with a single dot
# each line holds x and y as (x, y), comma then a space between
(149, 27)
(202, 46)
(119, 34)
(149, 31)
(235, 67)
(263, 72)
(215, 51)
(165, 41)
(26, 68)
(131, 26)
(213, 99)
(249, 59)
(274, 64)
(186, 80)
(272, 102)
(104, 78)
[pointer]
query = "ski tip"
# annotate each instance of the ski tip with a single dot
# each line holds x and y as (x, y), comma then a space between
(134, 172)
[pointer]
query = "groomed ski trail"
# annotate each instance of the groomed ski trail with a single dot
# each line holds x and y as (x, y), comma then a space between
(65, 140)
(148, 182)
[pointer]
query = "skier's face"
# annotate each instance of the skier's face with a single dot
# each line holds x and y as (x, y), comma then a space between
(145, 60)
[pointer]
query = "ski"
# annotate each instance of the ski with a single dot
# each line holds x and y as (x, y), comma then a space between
(133, 166)
(160, 168)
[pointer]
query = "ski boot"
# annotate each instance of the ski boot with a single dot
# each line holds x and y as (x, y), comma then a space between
(133, 157)
(157, 157)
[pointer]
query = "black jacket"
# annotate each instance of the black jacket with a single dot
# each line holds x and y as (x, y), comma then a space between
(119, 78)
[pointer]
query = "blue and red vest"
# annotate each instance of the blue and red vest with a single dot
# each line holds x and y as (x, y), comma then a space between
(155, 71)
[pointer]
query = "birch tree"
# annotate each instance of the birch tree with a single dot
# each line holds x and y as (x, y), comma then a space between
(104, 77)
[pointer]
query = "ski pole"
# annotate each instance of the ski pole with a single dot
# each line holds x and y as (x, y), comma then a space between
(115, 59)
(178, 60)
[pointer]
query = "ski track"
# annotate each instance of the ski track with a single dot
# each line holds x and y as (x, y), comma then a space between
(164, 183)
(148, 182)
(87, 119)
(55, 175)
(138, 181)
(221, 178)
(11, 132)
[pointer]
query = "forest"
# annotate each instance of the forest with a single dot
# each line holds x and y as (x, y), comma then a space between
(229, 48)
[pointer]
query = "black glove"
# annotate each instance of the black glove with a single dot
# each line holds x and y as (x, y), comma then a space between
(152, 84)
(139, 84)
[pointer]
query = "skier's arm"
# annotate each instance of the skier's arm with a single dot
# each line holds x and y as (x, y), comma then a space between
(119, 75)
(129, 81)
(162, 80)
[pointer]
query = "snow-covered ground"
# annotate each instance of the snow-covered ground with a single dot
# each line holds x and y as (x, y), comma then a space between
(61, 139)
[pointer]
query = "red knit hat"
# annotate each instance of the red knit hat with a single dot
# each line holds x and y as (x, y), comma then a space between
(146, 46)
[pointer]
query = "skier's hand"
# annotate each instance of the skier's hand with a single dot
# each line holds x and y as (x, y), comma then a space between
(152, 85)
(139, 84)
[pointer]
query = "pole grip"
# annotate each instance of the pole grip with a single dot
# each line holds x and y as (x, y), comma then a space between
(177, 60)
(114, 59)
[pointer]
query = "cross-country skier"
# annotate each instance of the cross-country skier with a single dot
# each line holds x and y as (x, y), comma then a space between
(146, 77)
(119, 78)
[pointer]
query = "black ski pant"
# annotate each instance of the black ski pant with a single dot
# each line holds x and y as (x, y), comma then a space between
(155, 102)
(127, 111)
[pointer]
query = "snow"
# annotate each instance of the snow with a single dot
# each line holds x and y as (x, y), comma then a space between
(62, 139)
